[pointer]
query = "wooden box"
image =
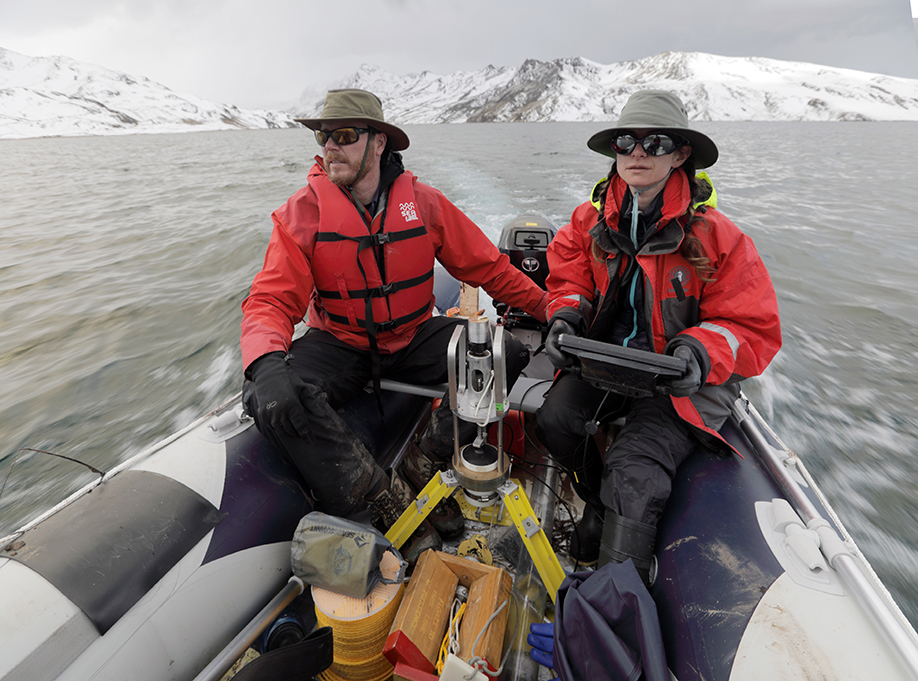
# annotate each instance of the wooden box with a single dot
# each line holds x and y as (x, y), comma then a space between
(420, 624)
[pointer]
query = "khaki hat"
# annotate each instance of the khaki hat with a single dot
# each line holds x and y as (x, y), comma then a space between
(661, 111)
(356, 105)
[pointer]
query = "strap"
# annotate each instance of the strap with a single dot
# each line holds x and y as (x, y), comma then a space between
(368, 240)
(371, 327)
(380, 326)
(300, 661)
(378, 291)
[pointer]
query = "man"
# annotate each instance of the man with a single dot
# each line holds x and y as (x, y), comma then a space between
(353, 252)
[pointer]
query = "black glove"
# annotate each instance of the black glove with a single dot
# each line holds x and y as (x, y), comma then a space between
(689, 383)
(279, 407)
(556, 355)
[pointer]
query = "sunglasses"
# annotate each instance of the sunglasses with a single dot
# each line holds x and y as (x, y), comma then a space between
(656, 144)
(341, 136)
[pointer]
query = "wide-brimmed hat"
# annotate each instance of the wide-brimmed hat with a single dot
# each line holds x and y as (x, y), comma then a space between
(356, 105)
(660, 111)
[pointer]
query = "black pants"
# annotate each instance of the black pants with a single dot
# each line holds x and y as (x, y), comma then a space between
(336, 465)
(634, 477)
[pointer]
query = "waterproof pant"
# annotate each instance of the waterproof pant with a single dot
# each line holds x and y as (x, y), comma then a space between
(634, 478)
(335, 464)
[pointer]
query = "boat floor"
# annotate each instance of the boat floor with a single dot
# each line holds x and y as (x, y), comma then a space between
(494, 540)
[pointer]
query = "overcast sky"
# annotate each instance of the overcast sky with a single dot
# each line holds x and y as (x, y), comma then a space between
(264, 53)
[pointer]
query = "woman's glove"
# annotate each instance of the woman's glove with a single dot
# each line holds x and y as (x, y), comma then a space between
(542, 639)
(559, 358)
(689, 383)
(279, 407)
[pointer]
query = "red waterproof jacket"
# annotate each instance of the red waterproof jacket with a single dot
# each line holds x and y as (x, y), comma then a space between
(318, 263)
(732, 322)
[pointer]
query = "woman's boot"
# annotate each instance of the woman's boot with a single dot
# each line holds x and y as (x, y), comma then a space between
(586, 537)
(623, 539)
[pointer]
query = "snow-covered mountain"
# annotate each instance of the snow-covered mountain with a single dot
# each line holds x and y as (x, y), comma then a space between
(49, 96)
(713, 88)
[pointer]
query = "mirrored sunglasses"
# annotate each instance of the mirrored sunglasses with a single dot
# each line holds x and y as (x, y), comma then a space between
(656, 144)
(341, 136)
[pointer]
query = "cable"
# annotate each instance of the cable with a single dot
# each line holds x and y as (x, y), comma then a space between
(570, 473)
(42, 451)
(487, 391)
(556, 544)
(480, 664)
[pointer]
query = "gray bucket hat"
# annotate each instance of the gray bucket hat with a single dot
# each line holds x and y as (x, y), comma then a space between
(356, 105)
(662, 111)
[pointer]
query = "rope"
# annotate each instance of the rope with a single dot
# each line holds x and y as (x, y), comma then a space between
(450, 643)
(478, 663)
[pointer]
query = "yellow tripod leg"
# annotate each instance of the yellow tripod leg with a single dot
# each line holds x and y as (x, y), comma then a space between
(544, 559)
(440, 486)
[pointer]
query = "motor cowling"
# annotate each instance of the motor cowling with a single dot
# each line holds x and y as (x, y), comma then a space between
(525, 240)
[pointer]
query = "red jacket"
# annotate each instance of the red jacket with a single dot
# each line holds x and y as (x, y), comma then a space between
(293, 279)
(732, 321)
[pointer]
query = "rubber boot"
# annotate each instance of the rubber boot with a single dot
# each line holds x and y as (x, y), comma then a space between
(388, 507)
(417, 468)
(623, 539)
(586, 538)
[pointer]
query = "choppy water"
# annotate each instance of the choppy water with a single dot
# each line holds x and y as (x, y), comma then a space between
(123, 261)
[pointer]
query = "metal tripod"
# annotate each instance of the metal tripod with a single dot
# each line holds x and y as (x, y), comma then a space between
(478, 393)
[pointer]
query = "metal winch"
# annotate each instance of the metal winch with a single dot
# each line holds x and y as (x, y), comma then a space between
(478, 394)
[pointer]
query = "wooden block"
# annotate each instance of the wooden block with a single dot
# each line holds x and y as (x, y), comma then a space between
(486, 595)
(422, 618)
(466, 570)
(405, 673)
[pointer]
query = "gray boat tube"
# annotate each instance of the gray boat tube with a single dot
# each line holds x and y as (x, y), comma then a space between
(880, 608)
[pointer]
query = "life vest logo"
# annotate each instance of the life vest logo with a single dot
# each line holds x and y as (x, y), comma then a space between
(679, 278)
(680, 274)
(409, 212)
(530, 264)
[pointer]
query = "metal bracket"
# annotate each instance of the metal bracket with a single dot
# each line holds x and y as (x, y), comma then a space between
(796, 547)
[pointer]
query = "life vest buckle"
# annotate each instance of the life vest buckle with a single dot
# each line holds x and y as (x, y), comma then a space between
(381, 291)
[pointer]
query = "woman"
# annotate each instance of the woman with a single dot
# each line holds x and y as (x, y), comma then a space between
(649, 263)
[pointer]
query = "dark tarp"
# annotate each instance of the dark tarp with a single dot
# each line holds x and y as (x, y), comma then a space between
(606, 627)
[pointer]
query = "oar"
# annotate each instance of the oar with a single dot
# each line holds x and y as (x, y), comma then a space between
(235, 648)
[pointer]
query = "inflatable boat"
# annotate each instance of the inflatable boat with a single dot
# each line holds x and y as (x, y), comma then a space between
(172, 565)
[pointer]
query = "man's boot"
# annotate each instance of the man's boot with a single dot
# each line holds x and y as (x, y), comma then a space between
(623, 539)
(418, 468)
(388, 506)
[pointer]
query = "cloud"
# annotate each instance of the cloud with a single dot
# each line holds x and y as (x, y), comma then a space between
(265, 53)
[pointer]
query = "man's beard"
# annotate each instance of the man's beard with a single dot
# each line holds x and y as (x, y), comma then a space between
(349, 175)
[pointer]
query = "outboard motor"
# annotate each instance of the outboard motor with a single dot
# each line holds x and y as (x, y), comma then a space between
(525, 240)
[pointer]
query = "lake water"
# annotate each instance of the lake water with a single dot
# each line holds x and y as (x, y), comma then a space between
(123, 262)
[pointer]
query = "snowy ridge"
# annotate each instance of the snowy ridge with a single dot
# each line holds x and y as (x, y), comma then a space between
(54, 96)
(713, 88)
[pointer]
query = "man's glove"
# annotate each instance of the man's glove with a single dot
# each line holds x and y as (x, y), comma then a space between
(279, 406)
(556, 355)
(689, 383)
(542, 639)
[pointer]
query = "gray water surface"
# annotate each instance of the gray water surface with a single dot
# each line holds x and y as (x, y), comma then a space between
(123, 262)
